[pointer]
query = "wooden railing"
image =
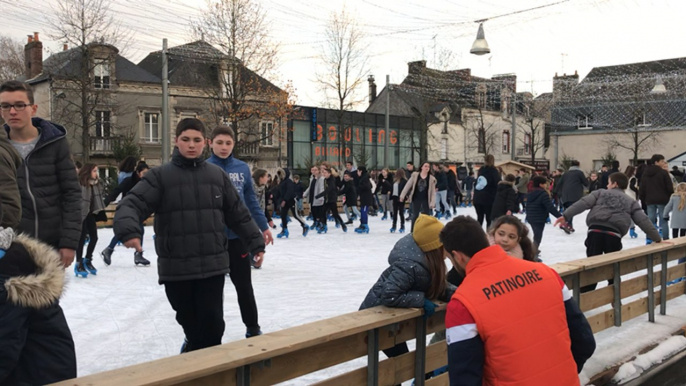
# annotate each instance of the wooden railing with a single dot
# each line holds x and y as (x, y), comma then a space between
(288, 354)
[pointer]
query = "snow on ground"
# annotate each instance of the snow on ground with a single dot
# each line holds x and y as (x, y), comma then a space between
(121, 316)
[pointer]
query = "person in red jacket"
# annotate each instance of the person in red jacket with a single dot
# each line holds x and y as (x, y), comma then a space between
(511, 321)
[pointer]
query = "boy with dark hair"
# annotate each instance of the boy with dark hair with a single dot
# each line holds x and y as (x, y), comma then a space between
(486, 348)
(50, 191)
(609, 219)
(538, 207)
(222, 142)
(194, 202)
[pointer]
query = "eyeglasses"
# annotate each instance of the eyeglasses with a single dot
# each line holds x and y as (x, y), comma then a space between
(17, 106)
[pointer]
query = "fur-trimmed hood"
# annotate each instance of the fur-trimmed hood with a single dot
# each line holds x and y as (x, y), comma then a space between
(45, 286)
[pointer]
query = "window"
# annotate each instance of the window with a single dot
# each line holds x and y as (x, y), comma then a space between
(482, 141)
(267, 133)
(444, 148)
(102, 75)
(527, 143)
(506, 141)
(102, 124)
(151, 128)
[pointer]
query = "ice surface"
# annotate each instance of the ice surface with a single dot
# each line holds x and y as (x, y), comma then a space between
(121, 316)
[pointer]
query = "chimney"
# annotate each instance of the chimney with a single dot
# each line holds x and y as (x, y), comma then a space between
(65, 47)
(33, 56)
(372, 89)
(416, 68)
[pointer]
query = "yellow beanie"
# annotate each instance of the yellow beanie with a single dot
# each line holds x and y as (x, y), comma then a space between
(426, 231)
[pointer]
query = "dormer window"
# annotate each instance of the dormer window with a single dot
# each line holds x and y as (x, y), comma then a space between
(101, 74)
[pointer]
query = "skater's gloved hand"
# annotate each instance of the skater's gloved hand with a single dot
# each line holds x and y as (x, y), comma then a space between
(429, 308)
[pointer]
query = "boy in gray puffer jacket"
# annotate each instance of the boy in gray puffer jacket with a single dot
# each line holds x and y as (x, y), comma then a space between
(610, 218)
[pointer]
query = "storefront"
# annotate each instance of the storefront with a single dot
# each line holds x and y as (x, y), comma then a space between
(315, 136)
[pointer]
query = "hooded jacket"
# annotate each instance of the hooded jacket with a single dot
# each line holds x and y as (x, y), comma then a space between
(538, 205)
(505, 199)
(50, 190)
(571, 185)
(656, 186)
(36, 346)
(613, 209)
(10, 161)
(193, 201)
(404, 283)
(239, 174)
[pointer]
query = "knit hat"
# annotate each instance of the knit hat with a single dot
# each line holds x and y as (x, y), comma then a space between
(426, 233)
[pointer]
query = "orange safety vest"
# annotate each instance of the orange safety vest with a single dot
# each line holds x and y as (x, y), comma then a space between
(520, 316)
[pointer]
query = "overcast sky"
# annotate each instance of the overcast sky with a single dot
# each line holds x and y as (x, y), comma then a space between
(575, 35)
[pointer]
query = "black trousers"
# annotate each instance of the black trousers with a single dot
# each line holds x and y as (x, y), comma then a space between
(333, 208)
(90, 228)
(199, 306)
(483, 211)
(537, 228)
(398, 210)
(239, 260)
(290, 205)
(597, 244)
(419, 207)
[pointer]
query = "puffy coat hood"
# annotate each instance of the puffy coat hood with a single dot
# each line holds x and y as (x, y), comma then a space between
(42, 288)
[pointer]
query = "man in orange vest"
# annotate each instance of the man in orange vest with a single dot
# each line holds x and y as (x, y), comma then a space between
(511, 322)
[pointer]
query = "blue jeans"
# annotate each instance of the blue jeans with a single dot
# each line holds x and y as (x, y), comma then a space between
(655, 213)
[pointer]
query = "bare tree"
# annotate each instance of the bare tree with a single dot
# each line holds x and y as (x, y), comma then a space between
(11, 59)
(483, 130)
(531, 123)
(345, 66)
(89, 27)
(241, 30)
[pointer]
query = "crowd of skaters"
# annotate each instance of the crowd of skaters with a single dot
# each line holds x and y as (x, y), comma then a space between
(195, 199)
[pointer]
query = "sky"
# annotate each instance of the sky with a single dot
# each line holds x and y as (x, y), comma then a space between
(568, 36)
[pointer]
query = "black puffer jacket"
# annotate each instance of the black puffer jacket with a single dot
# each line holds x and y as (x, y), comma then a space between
(405, 282)
(505, 199)
(193, 202)
(364, 190)
(538, 205)
(50, 190)
(36, 346)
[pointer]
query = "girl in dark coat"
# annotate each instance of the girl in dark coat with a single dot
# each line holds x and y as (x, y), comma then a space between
(485, 190)
(416, 274)
(505, 199)
(364, 190)
(399, 183)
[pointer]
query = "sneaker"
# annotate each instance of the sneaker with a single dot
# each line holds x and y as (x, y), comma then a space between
(107, 255)
(88, 265)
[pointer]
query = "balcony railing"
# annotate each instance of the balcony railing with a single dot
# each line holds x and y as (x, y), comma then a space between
(103, 145)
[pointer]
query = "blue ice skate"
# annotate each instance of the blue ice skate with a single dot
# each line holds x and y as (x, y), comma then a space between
(79, 270)
(632, 233)
(284, 233)
(364, 228)
(323, 229)
(306, 229)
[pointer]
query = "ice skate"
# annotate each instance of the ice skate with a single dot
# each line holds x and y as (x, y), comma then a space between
(89, 267)
(79, 270)
(107, 256)
(139, 259)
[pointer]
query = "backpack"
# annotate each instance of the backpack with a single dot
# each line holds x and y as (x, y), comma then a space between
(481, 183)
